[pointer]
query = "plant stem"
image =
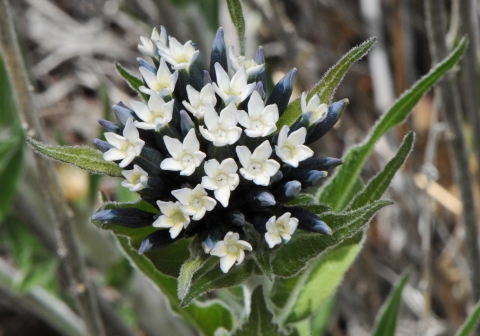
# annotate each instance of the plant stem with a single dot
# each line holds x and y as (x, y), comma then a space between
(68, 248)
(41, 303)
(458, 151)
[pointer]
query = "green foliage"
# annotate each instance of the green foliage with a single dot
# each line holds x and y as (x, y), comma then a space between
(260, 321)
(340, 189)
(133, 81)
(320, 318)
(387, 318)
(83, 157)
(468, 327)
(328, 84)
(236, 14)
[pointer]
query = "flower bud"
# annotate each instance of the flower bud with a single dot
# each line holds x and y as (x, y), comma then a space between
(302, 121)
(276, 178)
(157, 240)
(206, 78)
(146, 65)
(110, 126)
(219, 54)
(287, 191)
(123, 112)
(131, 218)
(262, 76)
(318, 130)
(102, 145)
(186, 123)
(260, 198)
(309, 221)
(320, 163)
(237, 218)
(210, 236)
(282, 91)
(308, 178)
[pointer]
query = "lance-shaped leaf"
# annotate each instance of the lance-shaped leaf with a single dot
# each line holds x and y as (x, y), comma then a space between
(204, 317)
(387, 318)
(260, 320)
(339, 190)
(296, 255)
(470, 323)
(83, 157)
(327, 85)
(236, 14)
(133, 81)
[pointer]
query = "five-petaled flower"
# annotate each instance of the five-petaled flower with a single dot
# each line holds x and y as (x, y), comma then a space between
(172, 217)
(221, 178)
(135, 179)
(235, 90)
(221, 130)
(318, 111)
(281, 229)
(251, 66)
(290, 148)
(256, 165)
(162, 84)
(231, 250)
(186, 156)
(155, 115)
(260, 120)
(198, 100)
(195, 202)
(125, 147)
(178, 55)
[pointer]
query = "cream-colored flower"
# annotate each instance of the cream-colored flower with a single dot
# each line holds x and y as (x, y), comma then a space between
(231, 250)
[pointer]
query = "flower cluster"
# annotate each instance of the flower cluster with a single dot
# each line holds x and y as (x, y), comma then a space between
(206, 152)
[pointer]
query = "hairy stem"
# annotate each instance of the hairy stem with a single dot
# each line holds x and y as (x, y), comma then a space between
(458, 151)
(68, 248)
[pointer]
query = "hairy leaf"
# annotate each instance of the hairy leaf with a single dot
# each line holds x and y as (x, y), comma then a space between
(387, 318)
(339, 190)
(328, 84)
(81, 156)
(133, 81)
(236, 14)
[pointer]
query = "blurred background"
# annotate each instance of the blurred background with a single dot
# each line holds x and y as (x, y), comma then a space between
(69, 47)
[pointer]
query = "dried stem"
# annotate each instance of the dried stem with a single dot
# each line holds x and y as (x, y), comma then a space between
(458, 151)
(68, 249)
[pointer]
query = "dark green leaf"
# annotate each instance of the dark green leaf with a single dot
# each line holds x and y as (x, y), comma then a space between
(328, 84)
(387, 318)
(11, 162)
(236, 14)
(339, 190)
(133, 81)
(83, 157)
(378, 184)
(296, 255)
(260, 321)
(468, 327)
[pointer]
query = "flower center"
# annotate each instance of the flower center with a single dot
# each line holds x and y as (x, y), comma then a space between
(232, 249)
(256, 168)
(287, 151)
(257, 125)
(221, 179)
(178, 217)
(279, 229)
(197, 203)
(187, 160)
(220, 134)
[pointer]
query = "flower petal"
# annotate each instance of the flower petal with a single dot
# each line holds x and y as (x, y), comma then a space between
(226, 262)
(174, 146)
(244, 155)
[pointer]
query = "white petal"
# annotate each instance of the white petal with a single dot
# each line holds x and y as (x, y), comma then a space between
(150, 79)
(211, 117)
(239, 80)
(240, 257)
(190, 143)
(171, 164)
(184, 195)
(255, 105)
(272, 239)
(209, 183)
(163, 222)
(209, 203)
(144, 125)
(199, 214)
(244, 155)
(142, 110)
(262, 180)
(193, 96)
(198, 158)
(298, 137)
(206, 134)
(222, 195)
(244, 245)
(313, 103)
(282, 136)
(271, 167)
(188, 170)
(247, 90)
(127, 160)
(302, 152)
(167, 208)
(223, 80)
(211, 167)
(262, 152)
(228, 166)
(226, 262)
(243, 119)
(270, 114)
(130, 131)
(219, 250)
(174, 146)
(113, 154)
(115, 140)
(207, 95)
(231, 237)
(175, 230)
(228, 116)
(234, 134)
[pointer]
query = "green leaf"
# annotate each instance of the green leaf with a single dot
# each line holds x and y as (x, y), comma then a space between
(328, 84)
(468, 327)
(378, 184)
(260, 321)
(83, 157)
(204, 317)
(186, 273)
(292, 258)
(387, 318)
(339, 190)
(11, 162)
(133, 81)
(236, 14)
(320, 319)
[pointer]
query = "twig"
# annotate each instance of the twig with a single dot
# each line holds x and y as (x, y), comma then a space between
(68, 249)
(41, 303)
(458, 151)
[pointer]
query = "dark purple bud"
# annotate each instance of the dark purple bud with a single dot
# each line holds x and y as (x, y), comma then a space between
(259, 221)
(302, 121)
(260, 198)
(308, 221)
(157, 240)
(287, 191)
(260, 89)
(276, 178)
(102, 145)
(122, 112)
(206, 78)
(282, 91)
(131, 218)
(186, 123)
(320, 163)
(210, 236)
(146, 65)
(308, 178)
(261, 77)
(318, 130)
(219, 54)
(110, 126)
(149, 159)
(237, 218)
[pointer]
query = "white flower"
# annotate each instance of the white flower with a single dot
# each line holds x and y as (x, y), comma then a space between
(260, 120)
(256, 166)
(180, 57)
(125, 147)
(172, 217)
(235, 90)
(185, 157)
(319, 111)
(148, 46)
(291, 149)
(222, 130)
(162, 84)
(230, 250)
(221, 178)
(155, 116)
(198, 100)
(251, 66)
(280, 229)
(195, 202)
(136, 179)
